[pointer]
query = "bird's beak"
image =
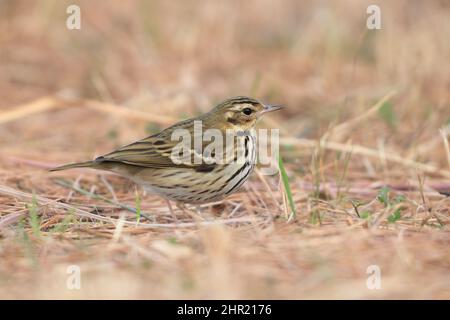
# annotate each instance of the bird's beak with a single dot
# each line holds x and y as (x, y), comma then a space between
(270, 108)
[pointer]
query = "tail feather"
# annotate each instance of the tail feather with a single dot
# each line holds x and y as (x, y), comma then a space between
(86, 164)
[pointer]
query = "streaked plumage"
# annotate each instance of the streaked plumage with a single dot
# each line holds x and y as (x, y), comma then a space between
(148, 162)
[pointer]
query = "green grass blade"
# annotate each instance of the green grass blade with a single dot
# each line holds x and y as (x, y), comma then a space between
(286, 185)
(388, 115)
(138, 207)
(33, 211)
(64, 224)
(383, 196)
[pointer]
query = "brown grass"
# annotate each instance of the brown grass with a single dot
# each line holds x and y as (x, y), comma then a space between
(366, 109)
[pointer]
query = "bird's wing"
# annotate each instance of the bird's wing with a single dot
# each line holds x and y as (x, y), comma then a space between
(148, 152)
(157, 152)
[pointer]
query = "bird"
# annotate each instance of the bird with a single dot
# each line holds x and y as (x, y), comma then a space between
(186, 174)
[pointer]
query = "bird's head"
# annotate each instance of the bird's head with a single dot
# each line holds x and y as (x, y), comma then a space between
(239, 113)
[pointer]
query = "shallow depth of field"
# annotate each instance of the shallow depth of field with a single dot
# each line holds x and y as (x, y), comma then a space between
(364, 143)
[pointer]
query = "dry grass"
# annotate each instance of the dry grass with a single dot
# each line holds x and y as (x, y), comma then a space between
(367, 109)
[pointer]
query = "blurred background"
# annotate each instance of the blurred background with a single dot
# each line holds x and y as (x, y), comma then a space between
(178, 59)
(137, 66)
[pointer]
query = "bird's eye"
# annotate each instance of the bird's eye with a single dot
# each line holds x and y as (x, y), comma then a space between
(247, 111)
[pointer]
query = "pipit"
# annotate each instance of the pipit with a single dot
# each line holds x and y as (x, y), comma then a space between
(189, 171)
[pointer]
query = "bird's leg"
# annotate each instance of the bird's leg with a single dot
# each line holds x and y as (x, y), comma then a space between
(171, 211)
(181, 206)
(218, 209)
(205, 214)
(193, 213)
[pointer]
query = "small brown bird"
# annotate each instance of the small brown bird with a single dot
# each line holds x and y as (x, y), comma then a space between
(196, 177)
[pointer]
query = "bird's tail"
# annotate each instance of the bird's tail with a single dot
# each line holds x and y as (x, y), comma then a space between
(86, 164)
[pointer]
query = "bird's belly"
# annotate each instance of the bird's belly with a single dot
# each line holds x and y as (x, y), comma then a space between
(190, 186)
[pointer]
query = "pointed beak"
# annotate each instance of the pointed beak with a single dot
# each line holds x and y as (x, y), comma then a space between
(270, 108)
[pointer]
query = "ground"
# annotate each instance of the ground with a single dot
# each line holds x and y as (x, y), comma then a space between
(364, 143)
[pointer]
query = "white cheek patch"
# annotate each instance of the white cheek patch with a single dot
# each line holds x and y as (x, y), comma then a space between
(229, 114)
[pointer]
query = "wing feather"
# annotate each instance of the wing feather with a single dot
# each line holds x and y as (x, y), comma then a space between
(156, 151)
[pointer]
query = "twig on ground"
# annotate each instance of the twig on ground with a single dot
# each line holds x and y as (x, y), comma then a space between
(99, 197)
(358, 149)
